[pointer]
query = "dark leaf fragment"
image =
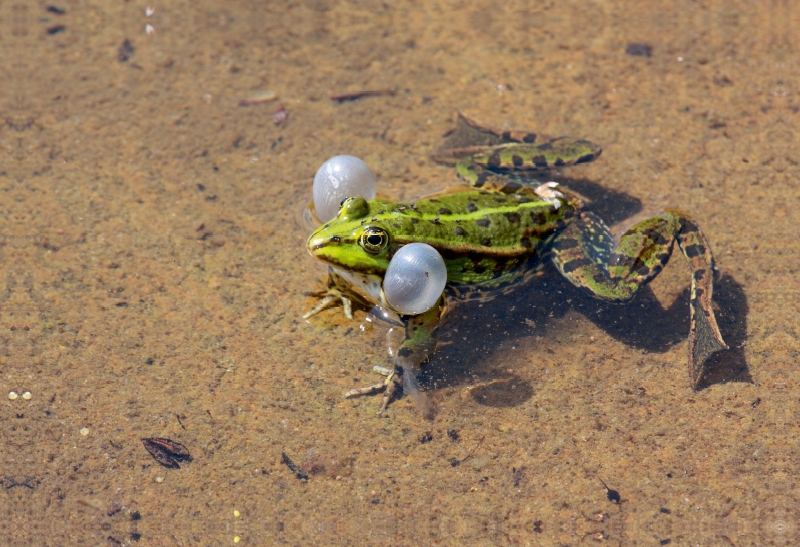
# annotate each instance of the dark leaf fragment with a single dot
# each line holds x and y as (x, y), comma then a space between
(167, 452)
(125, 51)
(639, 49)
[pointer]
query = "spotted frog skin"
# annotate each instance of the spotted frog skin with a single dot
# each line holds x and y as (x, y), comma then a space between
(501, 227)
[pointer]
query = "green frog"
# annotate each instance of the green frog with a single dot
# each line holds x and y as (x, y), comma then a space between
(493, 234)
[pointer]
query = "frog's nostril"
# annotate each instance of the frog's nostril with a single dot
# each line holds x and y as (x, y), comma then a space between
(336, 239)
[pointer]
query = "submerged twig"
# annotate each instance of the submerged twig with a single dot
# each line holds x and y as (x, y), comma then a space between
(353, 95)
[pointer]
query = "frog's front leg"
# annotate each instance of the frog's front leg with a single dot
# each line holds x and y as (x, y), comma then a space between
(418, 345)
(337, 290)
(584, 254)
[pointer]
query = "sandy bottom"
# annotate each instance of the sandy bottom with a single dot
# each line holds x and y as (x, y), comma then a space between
(153, 272)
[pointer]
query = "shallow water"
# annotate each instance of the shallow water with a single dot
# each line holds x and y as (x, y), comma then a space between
(153, 277)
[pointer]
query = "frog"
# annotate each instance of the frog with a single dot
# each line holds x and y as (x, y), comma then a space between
(496, 232)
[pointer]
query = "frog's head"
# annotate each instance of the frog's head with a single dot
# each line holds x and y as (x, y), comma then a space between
(353, 241)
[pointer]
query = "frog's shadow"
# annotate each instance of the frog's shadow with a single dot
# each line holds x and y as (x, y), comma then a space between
(472, 335)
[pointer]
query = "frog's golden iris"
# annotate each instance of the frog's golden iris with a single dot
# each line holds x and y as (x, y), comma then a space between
(374, 239)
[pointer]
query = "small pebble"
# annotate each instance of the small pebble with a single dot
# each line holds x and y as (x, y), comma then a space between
(27, 395)
(236, 513)
(159, 479)
(84, 431)
(236, 539)
(12, 395)
(280, 116)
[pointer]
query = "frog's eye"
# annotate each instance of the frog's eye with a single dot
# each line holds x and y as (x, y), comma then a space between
(342, 202)
(374, 240)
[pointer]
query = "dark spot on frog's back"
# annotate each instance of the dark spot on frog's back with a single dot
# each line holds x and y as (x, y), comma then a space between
(513, 218)
(560, 162)
(445, 211)
(526, 243)
(517, 160)
(483, 222)
(587, 158)
(493, 160)
(539, 161)
(460, 231)
(538, 218)
(471, 207)
(486, 242)
(529, 138)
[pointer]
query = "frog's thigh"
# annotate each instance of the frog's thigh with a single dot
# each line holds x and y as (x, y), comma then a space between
(582, 253)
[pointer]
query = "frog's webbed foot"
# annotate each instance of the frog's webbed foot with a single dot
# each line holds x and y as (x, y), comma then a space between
(389, 386)
(585, 254)
(330, 298)
(471, 136)
(416, 346)
(336, 292)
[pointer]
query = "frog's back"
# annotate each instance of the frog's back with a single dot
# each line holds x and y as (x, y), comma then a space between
(483, 236)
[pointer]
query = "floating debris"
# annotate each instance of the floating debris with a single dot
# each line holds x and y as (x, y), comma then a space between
(296, 471)
(455, 462)
(639, 49)
(125, 51)
(259, 97)
(612, 495)
(518, 473)
(354, 95)
(167, 452)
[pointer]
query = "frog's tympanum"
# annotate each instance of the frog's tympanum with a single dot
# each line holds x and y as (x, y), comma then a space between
(495, 232)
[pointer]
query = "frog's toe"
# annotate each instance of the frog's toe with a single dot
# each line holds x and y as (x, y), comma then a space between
(389, 386)
(324, 303)
(347, 304)
(328, 299)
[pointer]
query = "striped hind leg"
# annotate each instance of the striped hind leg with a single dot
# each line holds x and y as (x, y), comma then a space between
(585, 254)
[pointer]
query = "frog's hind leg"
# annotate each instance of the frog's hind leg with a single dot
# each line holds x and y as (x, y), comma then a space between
(585, 254)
